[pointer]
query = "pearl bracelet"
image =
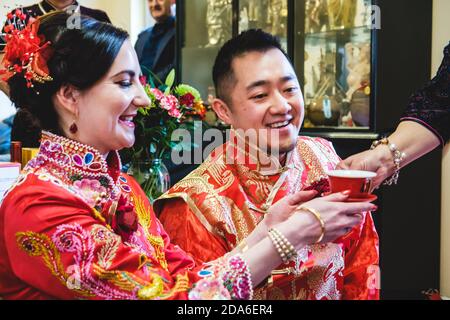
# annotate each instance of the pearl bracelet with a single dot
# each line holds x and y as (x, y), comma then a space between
(396, 154)
(284, 248)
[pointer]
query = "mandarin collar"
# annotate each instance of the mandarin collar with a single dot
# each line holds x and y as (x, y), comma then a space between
(82, 158)
(256, 159)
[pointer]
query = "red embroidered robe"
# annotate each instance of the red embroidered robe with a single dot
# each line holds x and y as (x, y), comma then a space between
(214, 208)
(56, 242)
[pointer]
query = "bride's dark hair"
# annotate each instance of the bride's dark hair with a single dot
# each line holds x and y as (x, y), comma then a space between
(81, 57)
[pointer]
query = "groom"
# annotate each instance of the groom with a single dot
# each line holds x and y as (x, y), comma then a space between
(213, 209)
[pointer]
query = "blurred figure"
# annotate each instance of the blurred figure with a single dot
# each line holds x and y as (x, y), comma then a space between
(7, 112)
(155, 46)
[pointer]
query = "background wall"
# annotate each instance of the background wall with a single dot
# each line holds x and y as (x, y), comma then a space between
(441, 38)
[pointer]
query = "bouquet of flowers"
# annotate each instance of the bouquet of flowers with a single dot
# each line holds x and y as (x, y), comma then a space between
(172, 107)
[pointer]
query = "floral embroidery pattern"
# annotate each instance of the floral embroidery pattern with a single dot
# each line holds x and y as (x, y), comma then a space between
(81, 244)
(82, 171)
(110, 242)
(92, 192)
(39, 245)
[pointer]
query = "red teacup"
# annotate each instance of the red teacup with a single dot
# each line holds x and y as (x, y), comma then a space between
(358, 182)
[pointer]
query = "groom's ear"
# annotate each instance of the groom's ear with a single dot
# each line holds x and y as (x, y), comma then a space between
(223, 111)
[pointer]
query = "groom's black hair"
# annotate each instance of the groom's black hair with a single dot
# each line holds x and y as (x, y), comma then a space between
(248, 41)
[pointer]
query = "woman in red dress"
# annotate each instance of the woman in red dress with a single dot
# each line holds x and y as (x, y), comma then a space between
(75, 227)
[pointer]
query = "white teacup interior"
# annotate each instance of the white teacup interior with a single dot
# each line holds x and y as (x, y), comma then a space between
(356, 174)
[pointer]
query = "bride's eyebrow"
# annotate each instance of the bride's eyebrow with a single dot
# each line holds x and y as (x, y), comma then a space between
(131, 73)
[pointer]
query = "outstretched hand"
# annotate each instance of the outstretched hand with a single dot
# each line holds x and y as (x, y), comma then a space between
(378, 161)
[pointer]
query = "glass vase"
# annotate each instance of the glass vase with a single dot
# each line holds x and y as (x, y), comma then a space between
(153, 177)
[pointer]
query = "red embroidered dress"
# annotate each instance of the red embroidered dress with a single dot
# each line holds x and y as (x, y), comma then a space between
(214, 208)
(56, 239)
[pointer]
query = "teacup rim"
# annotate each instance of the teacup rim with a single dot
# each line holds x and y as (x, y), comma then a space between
(360, 174)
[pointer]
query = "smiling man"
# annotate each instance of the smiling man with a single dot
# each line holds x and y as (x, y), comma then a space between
(212, 210)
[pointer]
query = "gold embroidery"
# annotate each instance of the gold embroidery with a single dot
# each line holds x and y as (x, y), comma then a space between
(40, 245)
(328, 264)
(99, 217)
(110, 242)
(145, 220)
(215, 205)
(148, 290)
(315, 169)
(192, 206)
(251, 178)
(121, 279)
(275, 293)
(302, 294)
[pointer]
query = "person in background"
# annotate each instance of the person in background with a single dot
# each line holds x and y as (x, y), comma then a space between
(7, 112)
(424, 126)
(155, 46)
(5, 136)
(156, 52)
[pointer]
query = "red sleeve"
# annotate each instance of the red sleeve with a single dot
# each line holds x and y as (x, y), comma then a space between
(186, 230)
(56, 246)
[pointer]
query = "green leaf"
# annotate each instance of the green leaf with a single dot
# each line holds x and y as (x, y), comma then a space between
(170, 80)
(151, 77)
(183, 89)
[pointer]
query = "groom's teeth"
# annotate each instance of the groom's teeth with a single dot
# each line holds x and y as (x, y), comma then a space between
(279, 124)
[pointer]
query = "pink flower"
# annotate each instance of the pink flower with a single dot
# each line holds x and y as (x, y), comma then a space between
(157, 93)
(169, 102)
(175, 113)
(143, 80)
(90, 190)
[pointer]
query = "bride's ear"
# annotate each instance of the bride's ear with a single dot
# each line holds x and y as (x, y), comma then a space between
(67, 100)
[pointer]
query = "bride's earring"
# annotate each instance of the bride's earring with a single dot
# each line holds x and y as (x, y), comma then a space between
(73, 128)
